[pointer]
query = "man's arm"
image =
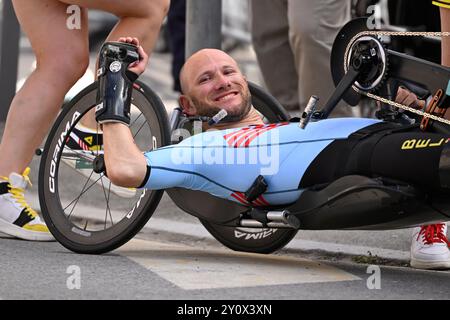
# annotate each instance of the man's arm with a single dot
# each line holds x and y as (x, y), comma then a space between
(126, 166)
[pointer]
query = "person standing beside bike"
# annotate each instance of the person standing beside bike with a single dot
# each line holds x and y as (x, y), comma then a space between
(429, 249)
(429, 246)
(62, 55)
(293, 40)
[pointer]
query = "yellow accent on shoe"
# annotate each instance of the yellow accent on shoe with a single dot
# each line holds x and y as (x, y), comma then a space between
(36, 227)
(26, 174)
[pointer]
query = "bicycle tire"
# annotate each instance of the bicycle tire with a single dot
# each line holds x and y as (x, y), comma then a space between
(66, 232)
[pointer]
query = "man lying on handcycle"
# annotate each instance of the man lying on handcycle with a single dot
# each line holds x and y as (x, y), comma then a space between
(226, 163)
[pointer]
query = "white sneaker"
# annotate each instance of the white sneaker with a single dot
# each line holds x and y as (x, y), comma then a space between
(430, 247)
(80, 151)
(16, 217)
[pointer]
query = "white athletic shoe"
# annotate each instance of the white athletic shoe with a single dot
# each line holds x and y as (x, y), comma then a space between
(430, 247)
(84, 144)
(16, 217)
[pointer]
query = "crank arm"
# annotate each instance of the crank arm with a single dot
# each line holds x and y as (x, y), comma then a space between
(344, 85)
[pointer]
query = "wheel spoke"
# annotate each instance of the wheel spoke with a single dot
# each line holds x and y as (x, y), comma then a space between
(78, 154)
(79, 197)
(74, 193)
(136, 119)
(83, 191)
(106, 215)
(142, 126)
(108, 209)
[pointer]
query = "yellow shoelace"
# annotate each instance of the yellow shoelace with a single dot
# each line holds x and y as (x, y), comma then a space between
(19, 194)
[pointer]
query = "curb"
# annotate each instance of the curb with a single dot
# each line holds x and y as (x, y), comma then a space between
(198, 231)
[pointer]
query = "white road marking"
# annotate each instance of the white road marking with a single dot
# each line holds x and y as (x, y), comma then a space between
(191, 269)
(198, 231)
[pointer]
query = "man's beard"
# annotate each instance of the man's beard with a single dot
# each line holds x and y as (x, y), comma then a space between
(206, 110)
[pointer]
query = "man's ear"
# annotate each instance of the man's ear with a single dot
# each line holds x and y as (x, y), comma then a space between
(244, 77)
(187, 105)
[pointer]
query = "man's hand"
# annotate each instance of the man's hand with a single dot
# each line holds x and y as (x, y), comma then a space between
(407, 98)
(137, 67)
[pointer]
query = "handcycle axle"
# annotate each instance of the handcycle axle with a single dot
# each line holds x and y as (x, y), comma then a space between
(271, 219)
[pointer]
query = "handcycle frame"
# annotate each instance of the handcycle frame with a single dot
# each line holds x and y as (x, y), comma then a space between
(351, 202)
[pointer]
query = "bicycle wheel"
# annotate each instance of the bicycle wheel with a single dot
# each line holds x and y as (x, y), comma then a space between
(257, 240)
(83, 210)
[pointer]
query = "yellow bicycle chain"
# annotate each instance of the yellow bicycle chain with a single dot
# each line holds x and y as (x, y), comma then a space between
(384, 100)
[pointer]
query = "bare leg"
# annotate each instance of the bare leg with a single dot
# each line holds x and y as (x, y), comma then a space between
(62, 57)
(141, 19)
(126, 166)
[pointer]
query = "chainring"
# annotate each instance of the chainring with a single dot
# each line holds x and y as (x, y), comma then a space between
(338, 63)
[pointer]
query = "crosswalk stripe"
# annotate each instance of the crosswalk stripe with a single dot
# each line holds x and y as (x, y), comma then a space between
(192, 269)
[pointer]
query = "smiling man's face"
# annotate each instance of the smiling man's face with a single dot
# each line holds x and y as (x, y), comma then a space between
(211, 80)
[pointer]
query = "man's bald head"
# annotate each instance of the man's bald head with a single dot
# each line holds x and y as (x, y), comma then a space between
(212, 81)
(193, 65)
